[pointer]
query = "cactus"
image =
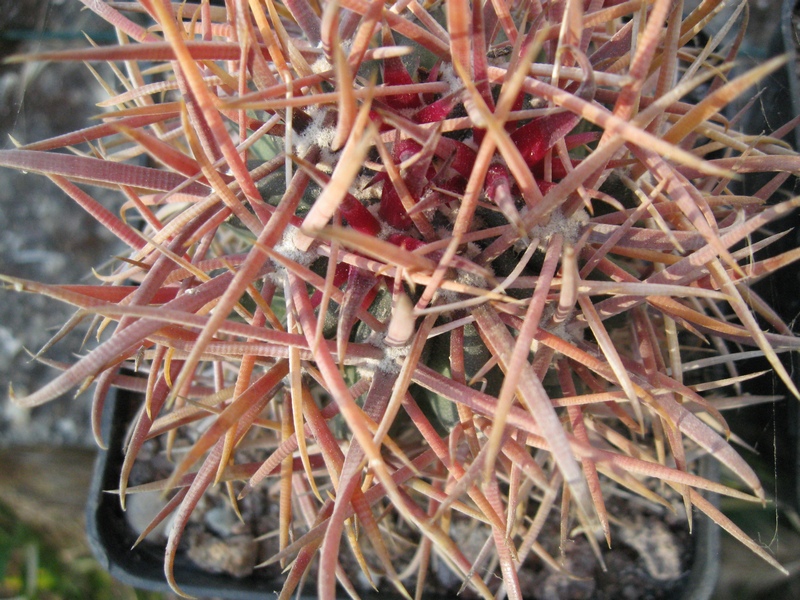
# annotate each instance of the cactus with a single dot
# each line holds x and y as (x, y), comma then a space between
(486, 231)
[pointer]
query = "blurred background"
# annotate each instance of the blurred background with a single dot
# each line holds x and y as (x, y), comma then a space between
(46, 454)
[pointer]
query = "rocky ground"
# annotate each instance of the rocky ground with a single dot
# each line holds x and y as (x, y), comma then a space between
(46, 454)
(44, 236)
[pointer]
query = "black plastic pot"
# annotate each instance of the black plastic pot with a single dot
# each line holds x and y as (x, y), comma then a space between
(706, 536)
(790, 42)
(779, 102)
(111, 537)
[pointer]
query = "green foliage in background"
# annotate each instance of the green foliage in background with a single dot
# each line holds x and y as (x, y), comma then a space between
(32, 569)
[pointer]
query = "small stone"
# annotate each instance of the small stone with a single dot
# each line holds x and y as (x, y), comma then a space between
(222, 521)
(140, 510)
(657, 547)
(235, 556)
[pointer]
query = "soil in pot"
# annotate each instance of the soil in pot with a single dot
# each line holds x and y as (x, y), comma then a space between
(653, 555)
